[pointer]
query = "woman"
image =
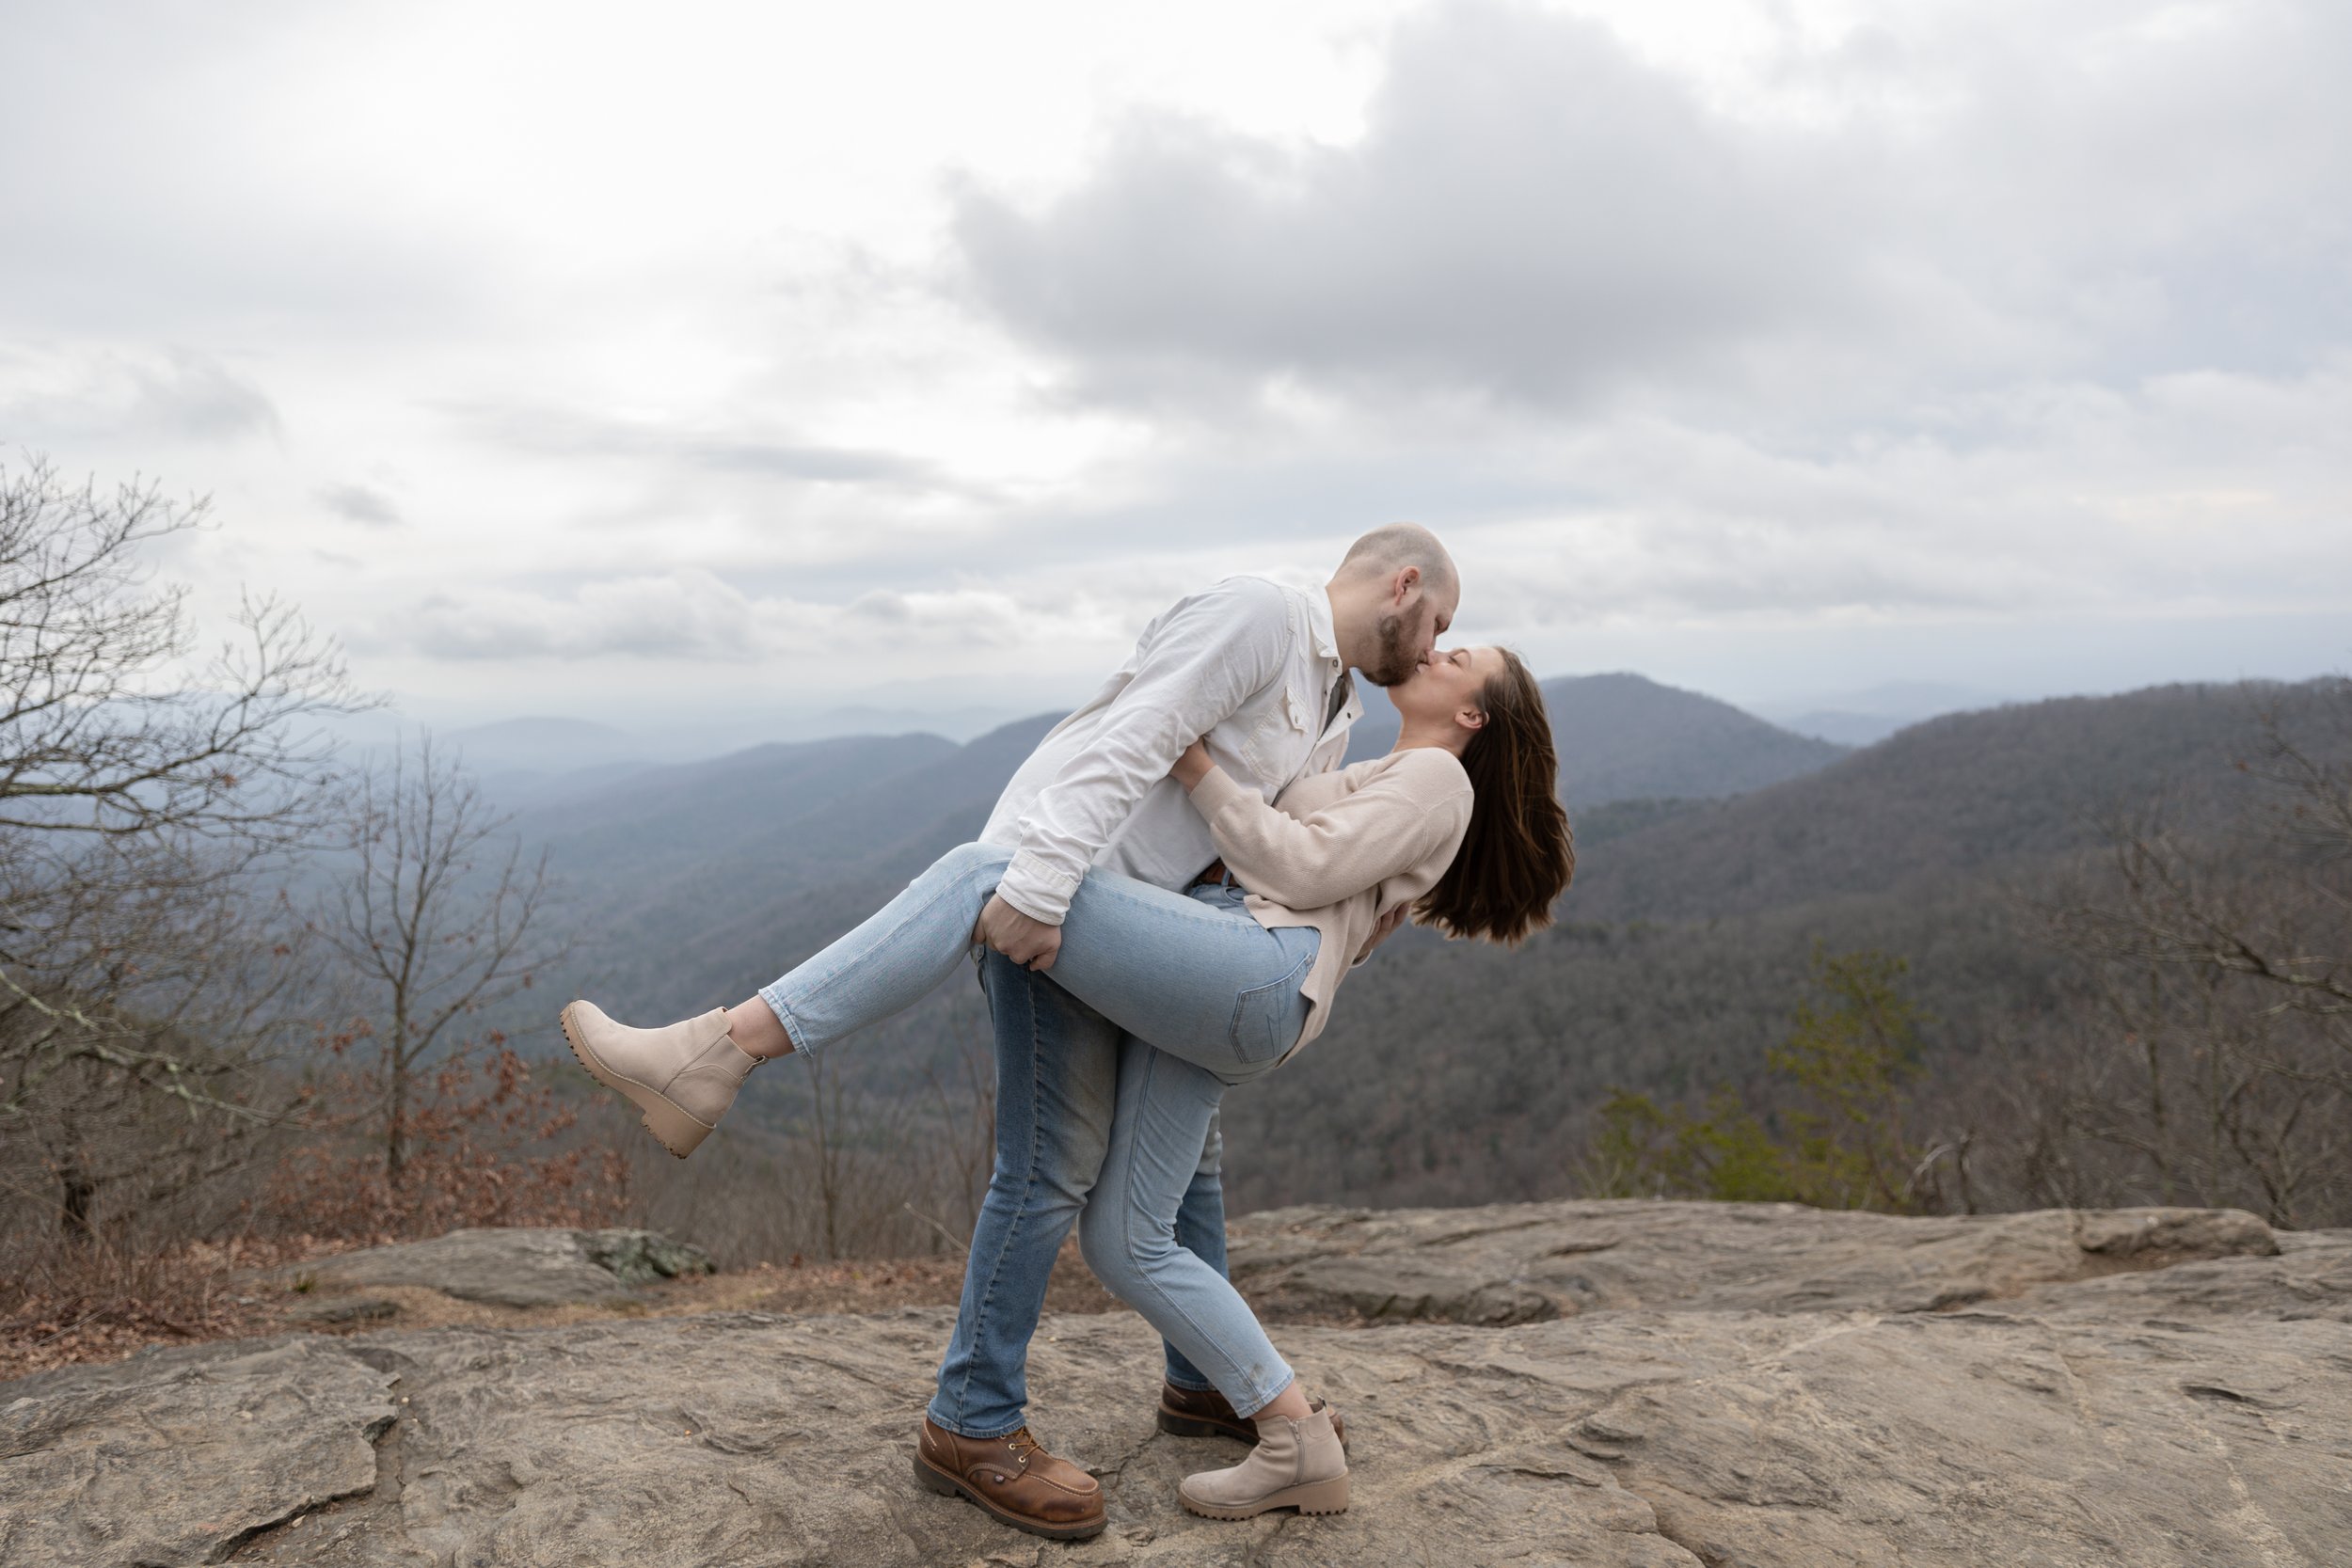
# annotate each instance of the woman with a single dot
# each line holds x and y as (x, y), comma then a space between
(1458, 825)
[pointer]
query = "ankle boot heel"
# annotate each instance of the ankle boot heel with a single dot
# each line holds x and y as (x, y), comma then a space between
(1321, 1497)
(679, 1133)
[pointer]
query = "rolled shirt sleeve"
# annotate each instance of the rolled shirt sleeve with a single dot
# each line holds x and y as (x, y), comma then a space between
(1201, 661)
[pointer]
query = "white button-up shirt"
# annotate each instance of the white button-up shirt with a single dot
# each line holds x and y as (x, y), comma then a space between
(1248, 666)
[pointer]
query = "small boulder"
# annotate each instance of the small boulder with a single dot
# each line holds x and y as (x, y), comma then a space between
(515, 1266)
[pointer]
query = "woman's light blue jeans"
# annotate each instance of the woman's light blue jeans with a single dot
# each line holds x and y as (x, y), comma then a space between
(1216, 995)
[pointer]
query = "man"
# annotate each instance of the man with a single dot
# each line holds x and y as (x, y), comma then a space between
(1261, 672)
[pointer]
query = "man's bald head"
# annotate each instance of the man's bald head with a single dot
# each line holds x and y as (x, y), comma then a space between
(1394, 595)
(1384, 551)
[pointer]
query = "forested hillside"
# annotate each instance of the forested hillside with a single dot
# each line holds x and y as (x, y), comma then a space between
(1454, 1072)
(694, 884)
(1966, 794)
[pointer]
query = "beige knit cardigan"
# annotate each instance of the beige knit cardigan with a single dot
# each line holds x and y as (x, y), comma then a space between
(1338, 850)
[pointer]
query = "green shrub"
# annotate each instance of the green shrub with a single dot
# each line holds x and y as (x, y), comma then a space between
(1836, 1136)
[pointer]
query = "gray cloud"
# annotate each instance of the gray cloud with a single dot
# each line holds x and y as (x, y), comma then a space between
(169, 393)
(1534, 213)
(1971, 314)
(1531, 211)
(689, 616)
(563, 433)
(679, 616)
(360, 504)
(814, 464)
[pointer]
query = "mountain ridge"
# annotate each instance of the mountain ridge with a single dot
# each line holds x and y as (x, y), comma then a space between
(1661, 740)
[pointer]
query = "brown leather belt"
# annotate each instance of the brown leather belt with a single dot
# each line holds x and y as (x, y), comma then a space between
(1214, 873)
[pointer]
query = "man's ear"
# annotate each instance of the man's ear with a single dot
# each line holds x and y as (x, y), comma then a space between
(1400, 586)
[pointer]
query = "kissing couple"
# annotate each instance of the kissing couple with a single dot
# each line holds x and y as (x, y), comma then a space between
(1163, 907)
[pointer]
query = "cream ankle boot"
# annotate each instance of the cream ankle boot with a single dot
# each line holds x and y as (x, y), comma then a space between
(1296, 1465)
(682, 1076)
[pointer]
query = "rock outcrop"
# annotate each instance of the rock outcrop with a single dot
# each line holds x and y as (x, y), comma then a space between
(523, 1266)
(1534, 1261)
(1733, 1386)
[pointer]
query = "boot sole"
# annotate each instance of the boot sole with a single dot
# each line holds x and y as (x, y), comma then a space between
(1321, 1497)
(673, 1128)
(936, 1480)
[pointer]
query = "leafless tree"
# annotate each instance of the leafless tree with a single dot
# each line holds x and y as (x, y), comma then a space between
(107, 733)
(2215, 1047)
(144, 790)
(439, 914)
(967, 1119)
(2274, 907)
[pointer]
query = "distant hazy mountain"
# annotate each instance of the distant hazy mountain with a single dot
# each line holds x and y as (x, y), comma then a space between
(1869, 716)
(961, 723)
(540, 760)
(542, 745)
(1625, 737)
(1844, 728)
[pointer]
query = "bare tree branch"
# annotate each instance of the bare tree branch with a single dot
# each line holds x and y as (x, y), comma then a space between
(440, 913)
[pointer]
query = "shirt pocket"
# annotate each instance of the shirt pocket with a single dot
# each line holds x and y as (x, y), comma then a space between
(1282, 735)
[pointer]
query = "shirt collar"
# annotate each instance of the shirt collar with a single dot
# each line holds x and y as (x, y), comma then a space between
(1319, 627)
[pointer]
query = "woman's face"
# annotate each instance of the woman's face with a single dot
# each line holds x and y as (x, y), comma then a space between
(1452, 684)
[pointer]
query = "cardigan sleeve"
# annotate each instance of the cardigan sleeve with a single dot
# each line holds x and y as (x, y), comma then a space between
(1334, 851)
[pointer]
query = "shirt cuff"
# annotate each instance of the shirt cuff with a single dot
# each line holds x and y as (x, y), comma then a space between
(1037, 887)
(1215, 791)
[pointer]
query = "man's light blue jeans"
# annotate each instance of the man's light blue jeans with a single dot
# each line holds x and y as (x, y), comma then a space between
(1109, 1072)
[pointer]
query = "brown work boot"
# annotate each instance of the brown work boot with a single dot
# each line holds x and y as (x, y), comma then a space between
(1206, 1412)
(1013, 1479)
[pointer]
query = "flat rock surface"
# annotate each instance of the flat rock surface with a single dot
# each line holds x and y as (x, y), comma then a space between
(2192, 1413)
(1532, 1262)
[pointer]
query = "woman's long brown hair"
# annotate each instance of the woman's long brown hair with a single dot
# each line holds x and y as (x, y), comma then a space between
(1519, 852)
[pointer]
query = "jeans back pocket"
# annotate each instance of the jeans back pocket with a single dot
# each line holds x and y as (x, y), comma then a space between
(1267, 1018)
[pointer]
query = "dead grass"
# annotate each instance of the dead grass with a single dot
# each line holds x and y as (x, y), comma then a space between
(100, 1302)
(104, 1310)
(211, 1291)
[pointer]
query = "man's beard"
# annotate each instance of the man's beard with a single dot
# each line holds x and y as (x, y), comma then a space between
(1398, 658)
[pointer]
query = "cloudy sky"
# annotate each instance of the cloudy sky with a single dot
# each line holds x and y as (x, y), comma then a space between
(710, 361)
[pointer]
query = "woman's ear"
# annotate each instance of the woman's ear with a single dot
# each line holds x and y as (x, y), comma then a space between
(1469, 718)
